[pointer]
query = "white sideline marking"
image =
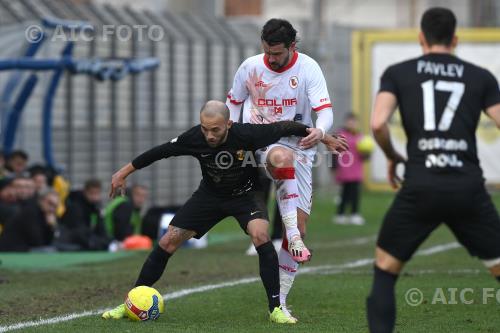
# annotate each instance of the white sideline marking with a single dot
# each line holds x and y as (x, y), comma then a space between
(185, 292)
(344, 243)
(438, 248)
(465, 271)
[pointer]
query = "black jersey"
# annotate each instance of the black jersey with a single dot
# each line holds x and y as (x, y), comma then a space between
(229, 169)
(440, 99)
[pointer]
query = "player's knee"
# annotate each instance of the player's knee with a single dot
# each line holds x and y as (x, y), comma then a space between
(169, 243)
(387, 262)
(166, 245)
(280, 158)
(259, 237)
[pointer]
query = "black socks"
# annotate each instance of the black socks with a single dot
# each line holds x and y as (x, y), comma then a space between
(269, 273)
(268, 264)
(381, 304)
(153, 267)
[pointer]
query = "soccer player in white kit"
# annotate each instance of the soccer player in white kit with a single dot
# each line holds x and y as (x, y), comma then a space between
(283, 84)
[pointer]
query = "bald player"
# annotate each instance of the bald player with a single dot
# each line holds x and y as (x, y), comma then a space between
(229, 187)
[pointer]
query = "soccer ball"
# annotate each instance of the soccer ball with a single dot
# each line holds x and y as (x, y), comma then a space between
(144, 303)
(366, 145)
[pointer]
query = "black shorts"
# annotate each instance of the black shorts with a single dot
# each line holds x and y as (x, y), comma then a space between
(204, 210)
(415, 213)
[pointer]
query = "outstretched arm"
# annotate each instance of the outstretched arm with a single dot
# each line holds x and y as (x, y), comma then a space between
(494, 113)
(176, 147)
(491, 99)
(118, 180)
(385, 105)
(261, 135)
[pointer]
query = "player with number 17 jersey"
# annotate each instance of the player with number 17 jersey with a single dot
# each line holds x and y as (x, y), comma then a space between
(289, 93)
(440, 99)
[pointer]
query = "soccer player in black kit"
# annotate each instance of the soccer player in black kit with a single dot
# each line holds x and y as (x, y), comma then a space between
(440, 99)
(229, 188)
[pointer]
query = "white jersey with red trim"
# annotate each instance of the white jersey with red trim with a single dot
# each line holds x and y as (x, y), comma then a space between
(289, 93)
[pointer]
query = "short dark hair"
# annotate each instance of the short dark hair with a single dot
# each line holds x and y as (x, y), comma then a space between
(438, 26)
(18, 153)
(92, 183)
(277, 31)
(37, 169)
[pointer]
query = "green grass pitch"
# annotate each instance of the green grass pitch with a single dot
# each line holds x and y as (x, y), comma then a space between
(330, 297)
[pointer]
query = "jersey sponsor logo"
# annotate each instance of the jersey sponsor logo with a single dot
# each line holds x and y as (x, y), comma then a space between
(289, 196)
(298, 117)
(436, 68)
(443, 161)
(442, 144)
(262, 84)
(253, 213)
(276, 102)
(294, 82)
(174, 140)
(322, 100)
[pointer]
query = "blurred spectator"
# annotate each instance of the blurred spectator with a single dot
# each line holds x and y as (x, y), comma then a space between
(17, 162)
(83, 217)
(8, 197)
(122, 216)
(25, 188)
(33, 226)
(3, 171)
(349, 174)
(8, 193)
(85, 206)
(39, 175)
(60, 185)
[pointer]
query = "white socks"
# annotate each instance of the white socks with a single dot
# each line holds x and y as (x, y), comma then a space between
(288, 269)
(287, 194)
